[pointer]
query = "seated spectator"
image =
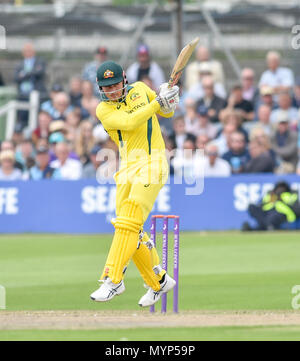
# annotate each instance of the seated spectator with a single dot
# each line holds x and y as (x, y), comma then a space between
(25, 154)
(250, 90)
(190, 117)
(197, 92)
(202, 141)
(266, 98)
(237, 155)
(203, 55)
(47, 106)
(7, 170)
(280, 79)
(179, 135)
(210, 100)
(54, 139)
(145, 66)
(261, 160)
(204, 126)
(61, 106)
(285, 144)
(214, 166)
(84, 141)
(70, 169)
(185, 162)
(237, 102)
(264, 113)
(75, 92)
(42, 131)
(9, 145)
(90, 169)
(88, 100)
(285, 105)
(261, 136)
(41, 169)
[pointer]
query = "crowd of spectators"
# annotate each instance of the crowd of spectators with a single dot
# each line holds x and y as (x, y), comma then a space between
(252, 127)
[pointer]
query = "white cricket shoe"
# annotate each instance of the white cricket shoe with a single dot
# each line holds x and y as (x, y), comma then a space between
(107, 291)
(151, 297)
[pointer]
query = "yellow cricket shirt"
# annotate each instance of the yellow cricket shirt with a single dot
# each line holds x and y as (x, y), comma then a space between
(133, 125)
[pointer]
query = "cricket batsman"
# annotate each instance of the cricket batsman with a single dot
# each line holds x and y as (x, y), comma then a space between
(128, 114)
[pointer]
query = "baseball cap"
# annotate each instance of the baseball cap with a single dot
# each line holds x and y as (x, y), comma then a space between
(204, 67)
(282, 117)
(143, 49)
(109, 73)
(202, 110)
(95, 149)
(101, 50)
(56, 137)
(56, 126)
(266, 90)
(42, 150)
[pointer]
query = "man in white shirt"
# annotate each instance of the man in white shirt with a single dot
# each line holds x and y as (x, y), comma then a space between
(213, 165)
(145, 66)
(70, 169)
(279, 78)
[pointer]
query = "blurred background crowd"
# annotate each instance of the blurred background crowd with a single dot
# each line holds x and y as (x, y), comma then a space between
(251, 126)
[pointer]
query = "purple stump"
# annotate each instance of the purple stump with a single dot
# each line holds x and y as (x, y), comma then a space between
(164, 261)
(176, 263)
(153, 239)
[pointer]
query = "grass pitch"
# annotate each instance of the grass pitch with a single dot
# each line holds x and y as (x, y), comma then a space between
(224, 271)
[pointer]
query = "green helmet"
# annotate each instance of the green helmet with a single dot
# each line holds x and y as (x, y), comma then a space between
(109, 73)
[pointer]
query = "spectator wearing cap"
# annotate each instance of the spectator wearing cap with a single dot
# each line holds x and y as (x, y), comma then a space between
(237, 102)
(237, 155)
(197, 92)
(250, 90)
(29, 75)
(203, 125)
(42, 130)
(54, 139)
(90, 169)
(192, 71)
(285, 106)
(278, 78)
(47, 106)
(284, 143)
(41, 169)
(214, 166)
(261, 160)
(75, 91)
(69, 169)
(266, 97)
(90, 70)
(145, 66)
(179, 134)
(7, 170)
(213, 102)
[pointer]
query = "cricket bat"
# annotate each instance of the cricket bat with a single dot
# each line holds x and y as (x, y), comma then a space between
(181, 61)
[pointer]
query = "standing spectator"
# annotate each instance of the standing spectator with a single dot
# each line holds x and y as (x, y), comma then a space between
(279, 78)
(90, 70)
(214, 166)
(285, 106)
(145, 66)
(42, 170)
(70, 169)
(236, 101)
(250, 90)
(7, 170)
(197, 92)
(84, 141)
(210, 100)
(42, 131)
(285, 144)
(29, 76)
(90, 169)
(75, 92)
(237, 155)
(261, 160)
(203, 55)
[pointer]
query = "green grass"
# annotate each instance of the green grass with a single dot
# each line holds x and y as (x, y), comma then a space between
(218, 271)
(274, 333)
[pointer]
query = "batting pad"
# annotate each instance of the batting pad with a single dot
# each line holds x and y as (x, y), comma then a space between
(125, 241)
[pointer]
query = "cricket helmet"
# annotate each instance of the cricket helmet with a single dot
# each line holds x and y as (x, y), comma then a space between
(109, 73)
